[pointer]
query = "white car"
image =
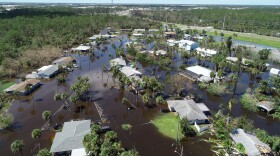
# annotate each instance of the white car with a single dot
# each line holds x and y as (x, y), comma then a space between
(75, 66)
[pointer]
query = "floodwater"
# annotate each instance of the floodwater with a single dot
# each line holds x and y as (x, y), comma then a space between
(143, 136)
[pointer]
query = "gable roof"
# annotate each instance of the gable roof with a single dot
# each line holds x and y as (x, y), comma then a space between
(71, 136)
(187, 108)
(20, 87)
(117, 61)
(63, 60)
(250, 142)
(129, 71)
(47, 70)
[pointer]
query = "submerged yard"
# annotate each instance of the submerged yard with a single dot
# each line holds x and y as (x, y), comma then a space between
(167, 124)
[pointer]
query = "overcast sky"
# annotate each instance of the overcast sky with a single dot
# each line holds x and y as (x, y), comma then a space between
(237, 2)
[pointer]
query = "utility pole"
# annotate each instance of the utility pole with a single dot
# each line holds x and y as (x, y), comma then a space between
(224, 23)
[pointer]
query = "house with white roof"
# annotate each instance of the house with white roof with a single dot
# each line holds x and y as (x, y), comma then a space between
(274, 72)
(253, 146)
(194, 112)
(70, 139)
(206, 52)
(82, 48)
(161, 52)
(188, 44)
(119, 62)
(129, 71)
(47, 71)
(199, 73)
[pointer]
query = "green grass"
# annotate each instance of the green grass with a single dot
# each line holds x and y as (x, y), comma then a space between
(256, 40)
(167, 124)
(3, 86)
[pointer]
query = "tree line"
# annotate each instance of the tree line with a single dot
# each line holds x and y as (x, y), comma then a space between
(261, 20)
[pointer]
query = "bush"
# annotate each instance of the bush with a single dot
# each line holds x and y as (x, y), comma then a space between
(249, 102)
(6, 120)
(202, 85)
(216, 89)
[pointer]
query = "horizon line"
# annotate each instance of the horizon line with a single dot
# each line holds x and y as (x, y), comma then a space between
(138, 3)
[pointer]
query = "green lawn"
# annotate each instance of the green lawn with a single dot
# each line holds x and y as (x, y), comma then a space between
(256, 40)
(167, 124)
(3, 86)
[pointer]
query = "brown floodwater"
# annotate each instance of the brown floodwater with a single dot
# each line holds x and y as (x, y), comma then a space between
(143, 136)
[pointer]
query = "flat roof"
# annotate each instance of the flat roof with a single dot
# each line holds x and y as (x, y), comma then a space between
(200, 70)
(79, 152)
(129, 71)
(82, 48)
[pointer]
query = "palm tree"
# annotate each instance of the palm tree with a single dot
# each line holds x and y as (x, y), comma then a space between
(46, 115)
(16, 93)
(17, 146)
(44, 152)
(36, 134)
(229, 44)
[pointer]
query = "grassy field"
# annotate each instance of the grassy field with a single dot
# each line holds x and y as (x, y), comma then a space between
(262, 41)
(167, 124)
(3, 86)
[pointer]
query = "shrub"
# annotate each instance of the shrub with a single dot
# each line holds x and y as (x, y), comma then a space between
(202, 85)
(216, 89)
(249, 102)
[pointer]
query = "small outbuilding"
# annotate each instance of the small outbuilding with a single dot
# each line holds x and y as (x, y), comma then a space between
(188, 44)
(129, 71)
(267, 106)
(161, 52)
(24, 88)
(119, 62)
(82, 48)
(274, 72)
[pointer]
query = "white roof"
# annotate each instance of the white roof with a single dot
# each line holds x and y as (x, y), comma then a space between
(79, 152)
(274, 71)
(117, 61)
(233, 59)
(162, 52)
(250, 142)
(206, 52)
(137, 34)
(82, 48)
(200, 70)
(129, 71)
(188, 42)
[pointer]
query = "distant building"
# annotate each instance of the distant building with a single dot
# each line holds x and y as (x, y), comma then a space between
(274, 72)
(206, 52)
(161, 52)
(70, 139)
(24, 88)
(194, 112)
(170, 34)
(117, 62)
(188, 45)
(235, 59)
(129, 71)
(64, 61)
(82, 48)
(253, 146)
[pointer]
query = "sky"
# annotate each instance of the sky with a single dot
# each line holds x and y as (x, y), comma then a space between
(234, 2)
